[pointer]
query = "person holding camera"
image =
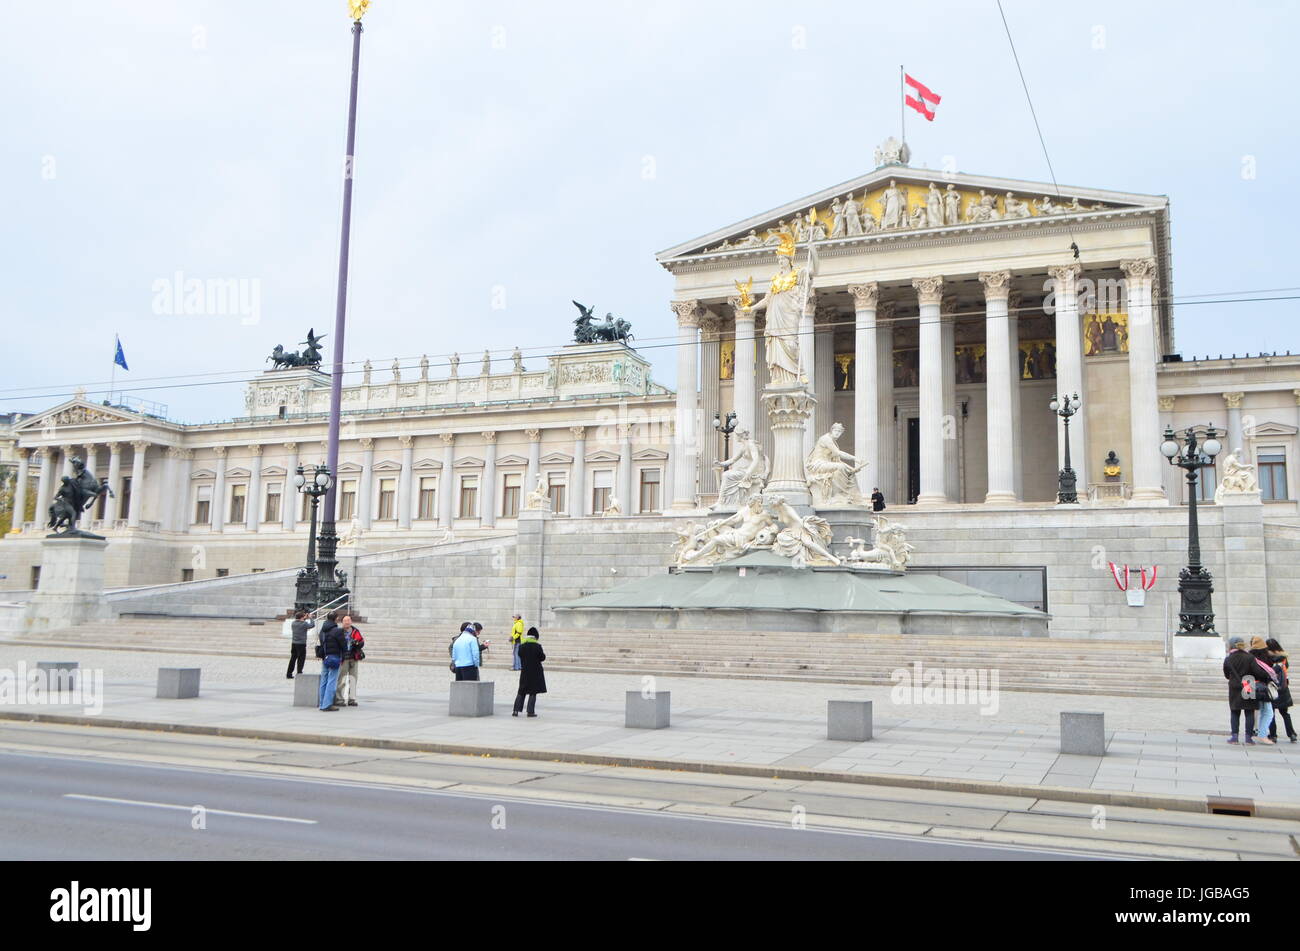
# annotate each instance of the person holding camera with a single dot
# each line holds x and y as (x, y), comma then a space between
(298, 646)
(466, 653)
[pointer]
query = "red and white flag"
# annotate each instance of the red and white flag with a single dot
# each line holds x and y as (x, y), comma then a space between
(923, 95)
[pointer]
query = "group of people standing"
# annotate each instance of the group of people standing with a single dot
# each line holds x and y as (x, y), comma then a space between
(1258, 682)
(340, 647)
(526, 657)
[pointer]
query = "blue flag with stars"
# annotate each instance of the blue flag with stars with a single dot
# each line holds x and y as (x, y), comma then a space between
(119, 357)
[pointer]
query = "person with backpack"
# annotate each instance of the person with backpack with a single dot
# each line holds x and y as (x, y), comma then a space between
(331, 650)
(298, 646)
(1283, 702)
(1239, 670)
(1267, 689)
(353, 653)
(532, 679)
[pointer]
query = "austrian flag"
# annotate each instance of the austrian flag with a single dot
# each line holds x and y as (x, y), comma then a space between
(924, 94)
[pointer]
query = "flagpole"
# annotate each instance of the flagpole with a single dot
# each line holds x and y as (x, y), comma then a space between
(112, 373)
(902, 111)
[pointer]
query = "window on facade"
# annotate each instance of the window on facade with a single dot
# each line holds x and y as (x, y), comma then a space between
(223, 572)
(124, 510)
(602, 487)
(348, 500)
(238, 498)
(272, 513)
(387, 498)
(36, 577)
(1272, 475)
(305, 511)
(649, 490)
(556, 491)
(203, 505)
(468, 496)
(428, 497)
(510, 495)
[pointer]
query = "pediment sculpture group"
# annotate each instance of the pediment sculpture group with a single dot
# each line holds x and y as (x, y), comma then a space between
(851, 216)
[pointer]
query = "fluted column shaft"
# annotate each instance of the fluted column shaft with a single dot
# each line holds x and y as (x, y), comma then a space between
(1069, 369)
(998, 377)
(1144, 413)
(20, 490)
(217, 510)
(488, 492)
(289, 492)
(866, 383)
(446, 481)
(710, 404)
(137, 484)
(685, 449)
(404, 482)
(534, 459)
(743, 392)
(45, 485)
(578, 476)
(112, 505)
(929, 293)
(886, 476)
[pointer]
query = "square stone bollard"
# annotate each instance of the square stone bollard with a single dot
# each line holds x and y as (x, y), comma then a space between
(848, 720)
(178, 683)
(647, 713)
(1083, 734)
(60, 674)
(306, 690)
(471, 698)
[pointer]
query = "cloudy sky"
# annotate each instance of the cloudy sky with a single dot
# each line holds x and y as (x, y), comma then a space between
(513, 156)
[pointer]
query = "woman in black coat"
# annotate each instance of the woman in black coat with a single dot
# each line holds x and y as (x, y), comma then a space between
(532, 679)
(1282, 705)
(1238, 664)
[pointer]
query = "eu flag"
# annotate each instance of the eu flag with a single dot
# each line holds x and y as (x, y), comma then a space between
(119, 357)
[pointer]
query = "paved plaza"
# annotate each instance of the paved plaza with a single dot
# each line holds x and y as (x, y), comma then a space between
(1154, 747)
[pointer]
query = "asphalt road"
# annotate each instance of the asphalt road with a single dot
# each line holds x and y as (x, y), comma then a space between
(63, 808)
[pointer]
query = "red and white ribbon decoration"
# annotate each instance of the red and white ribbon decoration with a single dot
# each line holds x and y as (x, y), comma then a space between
(1148, 581)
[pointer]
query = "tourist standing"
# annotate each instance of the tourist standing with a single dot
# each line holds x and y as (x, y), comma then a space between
(1266, 678)
(1282, 705)
(1237, 666)
(532, 679)
(331, 624)
(877, 500)
(466, 655)
(332, 646)
(353, 653)
(301, 623)
(516, 635)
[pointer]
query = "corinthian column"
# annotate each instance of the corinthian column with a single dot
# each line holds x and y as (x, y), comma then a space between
(999, 381)
(446, 480)
(886, 475)
(288, 492)
(217, 511)
(1069, 369)
(137, 484)
(113, 502)
(1236, 438)
(710, 399)
(20, 490)
(45, 484)
(534, 458)
(743, 390)
(1144, 412)
(404, 481)
(685, 449)
(952, 418)
(578, 474)
(488, 495)
(929, 292)
(866, 383)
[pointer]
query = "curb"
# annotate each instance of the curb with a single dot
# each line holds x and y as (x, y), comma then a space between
(1264, 810)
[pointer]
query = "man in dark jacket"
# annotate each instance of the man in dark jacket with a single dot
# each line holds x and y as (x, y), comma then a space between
(1238, 665)
(332, 646)
(532, 679)
(298, 647)
(345, 694)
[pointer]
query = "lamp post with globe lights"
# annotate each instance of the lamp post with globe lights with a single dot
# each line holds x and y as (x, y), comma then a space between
(1195, 584)
(1067, 481)
(313, 485)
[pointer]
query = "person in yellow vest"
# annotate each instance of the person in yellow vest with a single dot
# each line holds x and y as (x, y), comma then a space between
(516, 635)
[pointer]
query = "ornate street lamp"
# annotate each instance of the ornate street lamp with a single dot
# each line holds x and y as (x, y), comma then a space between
(1067, 482)
(1196, 609)
(725, 430)
(313, 485)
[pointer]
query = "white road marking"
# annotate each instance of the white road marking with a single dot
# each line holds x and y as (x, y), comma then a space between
(169, 805)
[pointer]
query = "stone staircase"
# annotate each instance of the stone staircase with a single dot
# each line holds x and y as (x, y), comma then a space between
(1084, 666)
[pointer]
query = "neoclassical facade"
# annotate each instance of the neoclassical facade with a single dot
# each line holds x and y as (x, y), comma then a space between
(945, 313)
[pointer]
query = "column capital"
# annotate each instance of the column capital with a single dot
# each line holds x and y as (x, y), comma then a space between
(406, 439)
(948, 307)
(1233, 399)
(367, 442)
(688, 312)
(578, 432)
(1296, 394)
(1166, 404)
(534, 435)
(1014, 300)
(220, 451)
(710, 325)
(140, 445)
(997, 285)
(865, 295)
(1066, 274)
(447, 438)
(887, 310)
(291, 446)
(1139, 269)
(929, 290)
(489, 436)
(826, 313)
(68, 450)
(22, 452)
(175, 452)
(255, 450)
(739, 312)
(114, 447)
(625, 430)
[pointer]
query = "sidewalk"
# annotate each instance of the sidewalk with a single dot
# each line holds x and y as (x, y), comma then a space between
(728, 723)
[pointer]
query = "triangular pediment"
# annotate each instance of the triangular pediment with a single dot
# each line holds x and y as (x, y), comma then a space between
(76, 412)
(426, 464)
(512, 460)
(1265, 430)
(978, 201)
(556, 458)
(602, 455)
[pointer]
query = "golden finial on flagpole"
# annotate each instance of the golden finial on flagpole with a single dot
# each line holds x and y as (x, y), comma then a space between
(357, 8)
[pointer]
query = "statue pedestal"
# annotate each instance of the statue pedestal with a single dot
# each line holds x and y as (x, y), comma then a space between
(788, 408)
(71, 589)
(849, 522)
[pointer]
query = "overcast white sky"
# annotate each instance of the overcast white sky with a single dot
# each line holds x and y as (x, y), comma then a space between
(506, 145)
